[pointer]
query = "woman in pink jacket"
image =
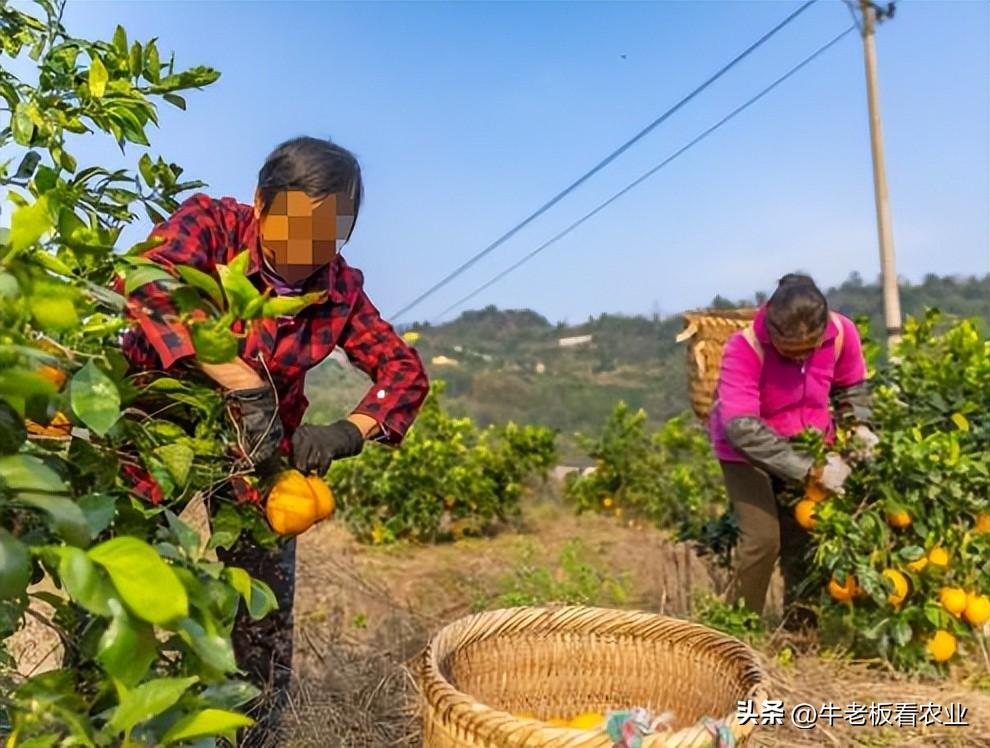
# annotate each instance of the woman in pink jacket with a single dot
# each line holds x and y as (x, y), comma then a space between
(788, 371)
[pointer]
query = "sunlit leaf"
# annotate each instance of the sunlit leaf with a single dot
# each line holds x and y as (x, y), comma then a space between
(95, 398)
(147, 585)
(98, 77)
(148, 700)
(206, 722)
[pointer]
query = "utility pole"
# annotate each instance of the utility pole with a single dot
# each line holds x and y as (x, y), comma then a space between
(872, 14)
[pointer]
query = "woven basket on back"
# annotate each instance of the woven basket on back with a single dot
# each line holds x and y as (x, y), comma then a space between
(707, 332)
(560, 662)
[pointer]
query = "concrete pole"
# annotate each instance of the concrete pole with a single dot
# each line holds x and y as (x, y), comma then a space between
(891, 294)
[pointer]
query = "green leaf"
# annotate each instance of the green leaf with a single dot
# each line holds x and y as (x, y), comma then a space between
(213, 345)
(15, 566)
(98, 77)
(29, 223)
(152, 63)
(902, 633)
(127, 648)
(912, 552)
(206, 722)
(85, 581)
(54, 313)
(68, 162)
(144, 274)
(230, 695)
(27, 474)
(961, 422)
(67, 518)
(43, 741)
(188, 538)
(239, 290)
(95, 398)
(288, 306)
(28, 165)
(178, 460)
(147, 585)
(240, 580)
(175, 100)
(201, 281)
(22, 126)
(147, 170)
(99, 510)
(12, 431)
(136, 59)
(148, 700)
(262, 600)
(51, 262)
(215, 651)
(120, 40)
(227, 528)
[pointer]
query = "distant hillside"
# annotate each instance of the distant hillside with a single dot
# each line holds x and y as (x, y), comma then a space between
(503, 365)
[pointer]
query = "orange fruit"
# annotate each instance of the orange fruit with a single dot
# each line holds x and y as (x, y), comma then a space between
(814, 492)
(900, 583)
(918, 565)
(942, 646)
(843, 593)
(804, 513)
(296, 503)
(982, 523)
(953, 599)
(588, 721)
(324, 496)
(59, 426)
(53, 374)
(977, 609)
(900, 519)
(607, 502)
(938, 556)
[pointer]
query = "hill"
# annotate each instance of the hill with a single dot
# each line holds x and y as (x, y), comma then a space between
(503, 365)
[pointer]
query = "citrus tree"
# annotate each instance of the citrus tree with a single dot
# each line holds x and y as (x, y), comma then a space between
(451, 478)
(143, 614)
(903, 557)
(669, 477)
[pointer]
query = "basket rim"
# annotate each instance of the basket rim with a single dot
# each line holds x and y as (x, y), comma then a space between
(456, 706)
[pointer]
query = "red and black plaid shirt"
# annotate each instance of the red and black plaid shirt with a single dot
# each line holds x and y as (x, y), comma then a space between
(205, 232)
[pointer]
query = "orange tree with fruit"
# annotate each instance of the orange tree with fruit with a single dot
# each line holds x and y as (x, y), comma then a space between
(903, 556)
(143, 614)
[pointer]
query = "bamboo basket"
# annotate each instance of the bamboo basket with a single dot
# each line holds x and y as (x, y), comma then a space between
(707, 332)
(559, 662)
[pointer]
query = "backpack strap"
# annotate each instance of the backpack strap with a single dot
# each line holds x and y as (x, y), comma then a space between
(841, 336)
(749, 332)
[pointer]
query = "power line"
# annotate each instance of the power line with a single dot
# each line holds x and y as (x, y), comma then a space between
(603, 163)
(738, 110)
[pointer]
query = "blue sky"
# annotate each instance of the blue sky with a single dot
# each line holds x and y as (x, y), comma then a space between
(467, 116)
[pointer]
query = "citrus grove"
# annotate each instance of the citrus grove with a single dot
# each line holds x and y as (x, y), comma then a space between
(141, 608)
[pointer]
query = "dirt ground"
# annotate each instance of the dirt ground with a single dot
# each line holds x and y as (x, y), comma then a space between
(364, 613)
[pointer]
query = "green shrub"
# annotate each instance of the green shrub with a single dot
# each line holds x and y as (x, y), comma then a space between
(669, 477)
(574, 580)
(449, 479)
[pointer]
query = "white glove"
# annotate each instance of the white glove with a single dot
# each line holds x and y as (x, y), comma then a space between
(834, 474)
(866, 441)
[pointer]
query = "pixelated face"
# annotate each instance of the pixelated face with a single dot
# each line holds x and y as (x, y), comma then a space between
(300, 234)
(797, 349)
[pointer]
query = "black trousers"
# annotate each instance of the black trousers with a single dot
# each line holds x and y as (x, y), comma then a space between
(264, 648)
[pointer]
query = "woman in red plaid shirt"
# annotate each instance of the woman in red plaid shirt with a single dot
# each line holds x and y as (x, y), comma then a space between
(308, 198)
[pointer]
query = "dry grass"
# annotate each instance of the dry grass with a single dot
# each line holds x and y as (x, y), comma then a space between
(354, 683)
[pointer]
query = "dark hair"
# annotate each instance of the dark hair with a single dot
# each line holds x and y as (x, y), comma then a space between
(317, 167)
(798, 309)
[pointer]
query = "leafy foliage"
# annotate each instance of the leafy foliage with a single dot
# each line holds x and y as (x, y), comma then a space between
(144, 618)
(574, 580)
(449, 479)
(668, 477)
(932, 411)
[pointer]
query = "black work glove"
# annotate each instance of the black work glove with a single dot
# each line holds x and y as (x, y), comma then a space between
(315, 447)
(256, 413)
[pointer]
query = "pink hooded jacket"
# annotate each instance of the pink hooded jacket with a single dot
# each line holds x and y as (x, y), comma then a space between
(787, 395)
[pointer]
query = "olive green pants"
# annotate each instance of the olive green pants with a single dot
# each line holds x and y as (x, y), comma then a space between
(767, 532)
